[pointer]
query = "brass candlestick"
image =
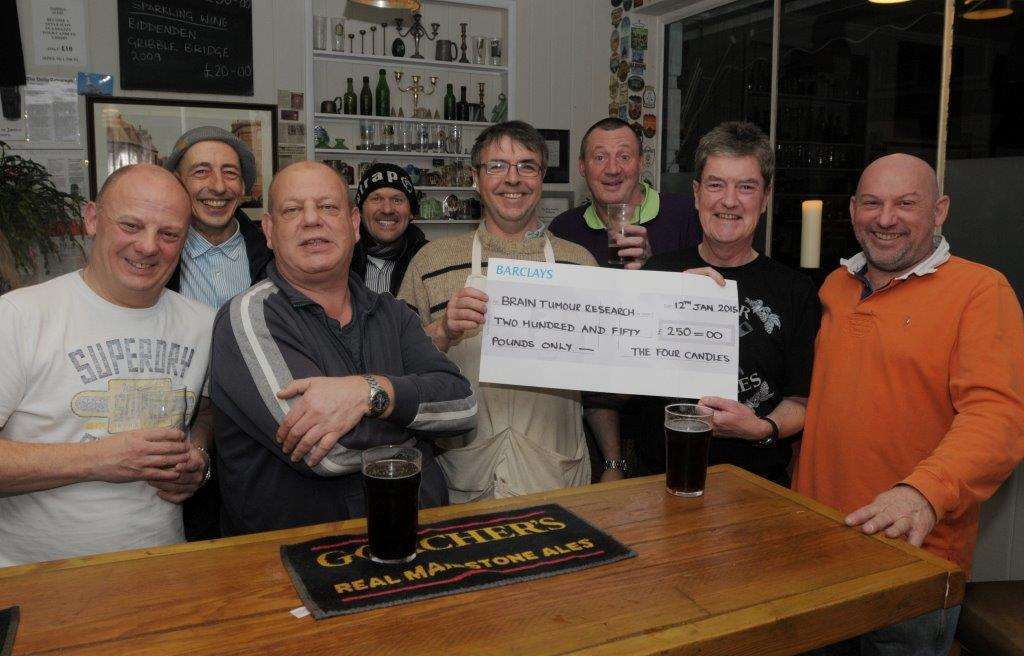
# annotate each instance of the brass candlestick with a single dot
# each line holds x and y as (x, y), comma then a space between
(417, 89)
(483, 115)
(417, 31)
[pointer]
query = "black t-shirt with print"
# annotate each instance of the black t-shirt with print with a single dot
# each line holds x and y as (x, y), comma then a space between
(779, 315)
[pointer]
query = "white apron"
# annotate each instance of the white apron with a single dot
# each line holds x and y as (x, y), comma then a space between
(527, 439)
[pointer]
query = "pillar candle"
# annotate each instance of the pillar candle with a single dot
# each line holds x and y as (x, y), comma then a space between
(810, 234)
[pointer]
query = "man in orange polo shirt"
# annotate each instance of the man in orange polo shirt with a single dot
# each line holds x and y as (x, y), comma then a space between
(916, 408)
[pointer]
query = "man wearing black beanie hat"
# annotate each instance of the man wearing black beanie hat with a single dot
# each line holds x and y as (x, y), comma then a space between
(387, 202)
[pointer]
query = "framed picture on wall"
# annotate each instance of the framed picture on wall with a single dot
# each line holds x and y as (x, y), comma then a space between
(558, 155)
(553, 203)
(126, 131)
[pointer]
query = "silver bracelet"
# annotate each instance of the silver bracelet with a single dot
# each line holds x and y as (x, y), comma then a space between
(209, 465)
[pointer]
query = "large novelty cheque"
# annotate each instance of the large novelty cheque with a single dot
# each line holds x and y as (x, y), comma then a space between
(564, 326)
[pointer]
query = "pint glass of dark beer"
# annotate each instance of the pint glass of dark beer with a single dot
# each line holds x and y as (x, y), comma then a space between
(687, 439)
(391, 480)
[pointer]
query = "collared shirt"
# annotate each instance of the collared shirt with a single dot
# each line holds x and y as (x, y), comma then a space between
(213, 274)
(858, 265)
(378, 274)
(647, 210)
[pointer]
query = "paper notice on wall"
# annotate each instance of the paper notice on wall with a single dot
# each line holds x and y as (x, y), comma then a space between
(11, 131)
(289, 154)
(58, 30)
(51, 107)
(563, 326)
(67, 168)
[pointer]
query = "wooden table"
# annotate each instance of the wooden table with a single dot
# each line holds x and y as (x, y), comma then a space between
(749, 568)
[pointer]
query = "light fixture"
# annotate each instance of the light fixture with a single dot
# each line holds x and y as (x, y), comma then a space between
(987, 9)
(413, 5)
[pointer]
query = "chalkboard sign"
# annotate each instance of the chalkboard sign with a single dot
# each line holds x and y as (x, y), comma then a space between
(193, 46)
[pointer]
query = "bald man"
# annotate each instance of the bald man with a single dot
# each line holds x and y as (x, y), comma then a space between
(916, 407)
(102, 370)
(310, 367)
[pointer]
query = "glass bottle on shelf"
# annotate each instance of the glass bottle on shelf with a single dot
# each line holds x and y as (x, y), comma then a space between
(366, 98)
(383, 95)
(462, 107)
(449, 104)
(350, 102)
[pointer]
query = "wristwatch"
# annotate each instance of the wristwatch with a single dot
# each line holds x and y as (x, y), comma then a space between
(615, 464)
(379, 398)
(769, 441)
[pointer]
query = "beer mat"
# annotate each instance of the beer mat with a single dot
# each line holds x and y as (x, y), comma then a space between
(335, 576)
(8, 628)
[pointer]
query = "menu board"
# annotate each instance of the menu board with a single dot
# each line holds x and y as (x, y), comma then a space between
(191, 46)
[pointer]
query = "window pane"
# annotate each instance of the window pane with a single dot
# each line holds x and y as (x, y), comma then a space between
(856, 81)
(985, 147)
(718, 68)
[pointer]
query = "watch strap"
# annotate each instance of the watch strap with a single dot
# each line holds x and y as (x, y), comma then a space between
(773, 437)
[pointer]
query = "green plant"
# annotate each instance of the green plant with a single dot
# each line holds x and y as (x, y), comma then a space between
(35, 216)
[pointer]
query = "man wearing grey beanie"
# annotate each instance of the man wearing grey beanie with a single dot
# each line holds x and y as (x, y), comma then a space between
(387, 203)
(224, 253)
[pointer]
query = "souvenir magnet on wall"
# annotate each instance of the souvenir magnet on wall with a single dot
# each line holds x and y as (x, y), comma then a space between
(616, 16)
(648, 156)
(613, 63)
(623, 113)
(638, 37)
(613, 109)
(623, 71)
(638, 68)
(650, 97)
(635, 109)
(615, 41)
(650, 125)
(638, 3)
(627, 5)
(624, 48)
(624, 29)
(623, 96)
(616, 3)
(639, 56)
(635, 83)
(636, 127)
(613, 85)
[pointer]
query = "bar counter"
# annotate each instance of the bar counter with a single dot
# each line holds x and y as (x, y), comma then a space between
(749, 568)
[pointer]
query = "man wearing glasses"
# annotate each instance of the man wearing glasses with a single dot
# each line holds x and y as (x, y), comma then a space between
(527, 439)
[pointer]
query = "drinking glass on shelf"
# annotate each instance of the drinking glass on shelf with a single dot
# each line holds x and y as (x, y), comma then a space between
(495, 52)
(319, 32)
(338, 35)
(403, 140)
(479, 49)
(454, 143)
(387, 139)
(365, 135)
(422, 143)
(440, 141)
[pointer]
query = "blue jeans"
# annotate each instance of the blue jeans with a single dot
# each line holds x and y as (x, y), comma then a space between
(930, 634)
